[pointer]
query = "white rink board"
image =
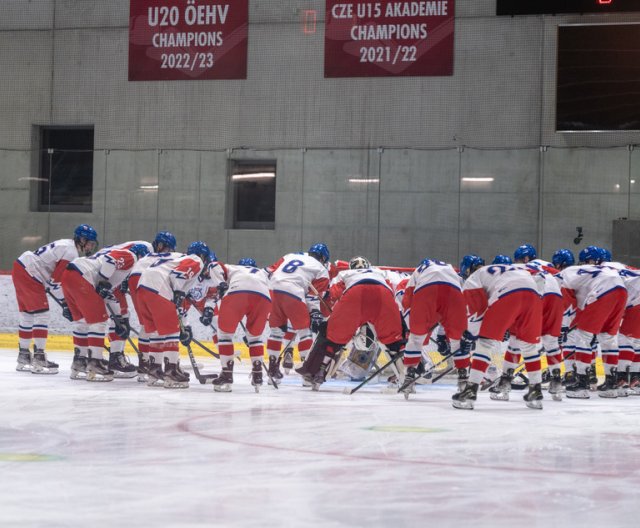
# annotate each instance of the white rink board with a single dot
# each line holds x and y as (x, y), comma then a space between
(74, 453)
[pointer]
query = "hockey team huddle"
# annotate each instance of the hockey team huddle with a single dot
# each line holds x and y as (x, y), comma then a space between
(558, 309)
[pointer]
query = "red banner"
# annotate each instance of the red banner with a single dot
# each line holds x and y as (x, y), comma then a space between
(388, 38)
(188, 39)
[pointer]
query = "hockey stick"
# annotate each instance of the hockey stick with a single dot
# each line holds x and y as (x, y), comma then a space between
(202, 378)
(374, 374)
(113, 315)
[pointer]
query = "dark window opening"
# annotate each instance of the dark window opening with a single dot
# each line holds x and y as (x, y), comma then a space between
(253, 194)
(598, 78)
(65, 180)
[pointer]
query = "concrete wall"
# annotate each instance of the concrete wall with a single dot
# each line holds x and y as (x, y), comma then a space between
(64, 62)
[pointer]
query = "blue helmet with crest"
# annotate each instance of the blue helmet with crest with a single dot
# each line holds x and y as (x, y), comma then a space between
(200, 249)
(166, 239)
(247, 261)
(139, 250)
(590, 254)
(469, 264)
(320, 251)
(525, 251)
(563, 258)
(86, 239)
(606, 255)
(502, 259)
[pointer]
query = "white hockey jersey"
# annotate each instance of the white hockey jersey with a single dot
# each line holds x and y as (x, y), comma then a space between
(587, 283)
(148, 260)
(436, 272)
(631, 278)
(490, 283)
(546, 282)
(294, 274)
(173, 272)
(47, 263)
(112, 265)
(349, 278)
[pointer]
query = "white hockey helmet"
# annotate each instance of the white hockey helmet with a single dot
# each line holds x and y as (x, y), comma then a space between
(359, 263)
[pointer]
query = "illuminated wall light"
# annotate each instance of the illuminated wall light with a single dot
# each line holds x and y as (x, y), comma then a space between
(31, 239)
(617, 185)
(478, 179)
(309, 18)
(149, 187)
(633, 181)
(254, 176)
(364, 180)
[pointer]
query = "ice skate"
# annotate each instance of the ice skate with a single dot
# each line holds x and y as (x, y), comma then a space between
(256, 374)
(78, 366)
(287, 360)
(175, 377)
(155, 376)
(534, 397)
(608, 389)
(622, 384)
(463, 377)
(593, 378)
(224, 381)
(580, 388)
(41, 365)
(500, 391)
(121, 366)
(274, 370)
(409, 385)
(143, 368)
(466, 397)
(634, 384)
(98, 370)
(319, 378)
(24, 360)
(570, 377)
(555, 385)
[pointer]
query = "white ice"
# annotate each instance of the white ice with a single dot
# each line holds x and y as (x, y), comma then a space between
(75, 453)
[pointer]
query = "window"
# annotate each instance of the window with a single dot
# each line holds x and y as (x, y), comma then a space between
(598, 77)
(253, 194)
(65, 180)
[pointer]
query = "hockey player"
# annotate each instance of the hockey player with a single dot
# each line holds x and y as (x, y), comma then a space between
(502, 259)
(361, 295)
(161, 291)
(509, 300)
(600, 296)
(563, 258)
(525, 253)
(36, 273)
(434, 295)
(88, 284)
(469, 264)
(293, 277)
(163, 244)
(244, 290)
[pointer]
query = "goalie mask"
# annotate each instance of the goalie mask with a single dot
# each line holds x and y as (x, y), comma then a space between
(359, 263)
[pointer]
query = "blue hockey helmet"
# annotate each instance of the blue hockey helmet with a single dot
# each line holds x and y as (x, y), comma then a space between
(247, 261)
(563, 258)
(86, 239)
(139, 250)
(200, 249)
(213, 256)
(524, 251)
(166, 239)
(320, 251)
(469, 264)
(502, 259)
(606, 255)
(590, 254)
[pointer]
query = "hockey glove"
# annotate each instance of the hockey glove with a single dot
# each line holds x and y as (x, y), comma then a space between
(564, 332)
(467, 342)
(122, 327)
(66, 312)
(124, 287)
(104, 289)
(316, 320)
(207, 316)
(186, 335)
(178, 298)
(222, 289)
(444, 348)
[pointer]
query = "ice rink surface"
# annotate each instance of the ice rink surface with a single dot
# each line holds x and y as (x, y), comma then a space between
(74, 453)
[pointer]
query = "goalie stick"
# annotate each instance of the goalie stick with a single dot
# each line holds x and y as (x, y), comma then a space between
(374, 374)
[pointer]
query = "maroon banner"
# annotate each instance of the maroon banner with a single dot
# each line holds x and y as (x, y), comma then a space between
(188, 39)
(388, 38)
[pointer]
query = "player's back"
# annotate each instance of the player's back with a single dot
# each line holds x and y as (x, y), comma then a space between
(296, 272)
(590, 282)
(247, 278)
(42, 262)
(434, 272)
